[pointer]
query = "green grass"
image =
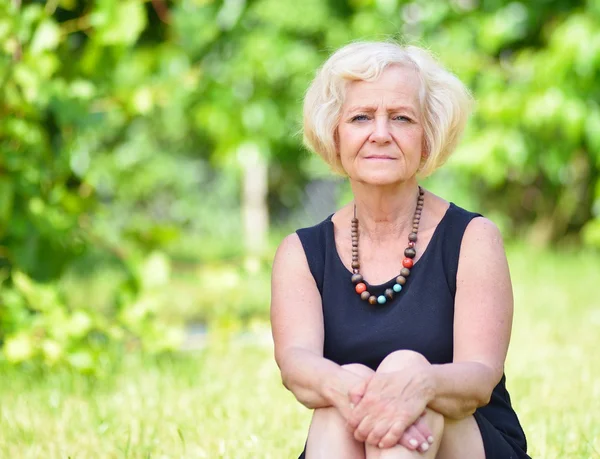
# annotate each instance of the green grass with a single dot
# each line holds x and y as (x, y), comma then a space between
(227, 400)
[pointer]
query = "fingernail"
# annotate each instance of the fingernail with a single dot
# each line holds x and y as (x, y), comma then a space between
(413, 442)
(425, 446)
(430, 439)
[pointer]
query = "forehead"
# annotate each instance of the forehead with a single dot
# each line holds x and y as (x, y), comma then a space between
(396, 85)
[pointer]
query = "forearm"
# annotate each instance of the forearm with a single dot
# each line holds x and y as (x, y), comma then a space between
(314, 380)
(461, 388)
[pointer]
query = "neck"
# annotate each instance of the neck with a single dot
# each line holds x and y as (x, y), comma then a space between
(385, 212)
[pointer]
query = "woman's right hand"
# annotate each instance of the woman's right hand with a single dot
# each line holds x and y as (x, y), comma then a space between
(413, 437)
(351, 388)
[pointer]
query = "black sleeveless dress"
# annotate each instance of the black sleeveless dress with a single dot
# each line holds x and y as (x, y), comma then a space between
(420, 318)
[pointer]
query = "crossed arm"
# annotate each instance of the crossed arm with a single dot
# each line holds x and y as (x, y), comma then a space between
(482, 324)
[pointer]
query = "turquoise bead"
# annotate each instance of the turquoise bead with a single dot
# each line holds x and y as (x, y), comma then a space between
(381, 299)
(397, 288)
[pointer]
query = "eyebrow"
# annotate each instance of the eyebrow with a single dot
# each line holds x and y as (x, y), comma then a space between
(372, 108)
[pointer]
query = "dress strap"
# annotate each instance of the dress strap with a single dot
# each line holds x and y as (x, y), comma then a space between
(314, 242)
(454, 230)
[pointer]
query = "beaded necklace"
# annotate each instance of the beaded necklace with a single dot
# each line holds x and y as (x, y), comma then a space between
(407, 262)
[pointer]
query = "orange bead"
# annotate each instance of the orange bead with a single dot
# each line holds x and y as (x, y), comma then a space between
(407, 263)
(360, 288)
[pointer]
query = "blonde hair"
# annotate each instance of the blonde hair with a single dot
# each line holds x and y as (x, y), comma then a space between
(445, 102)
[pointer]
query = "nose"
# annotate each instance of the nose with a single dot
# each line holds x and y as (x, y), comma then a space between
(381, 133)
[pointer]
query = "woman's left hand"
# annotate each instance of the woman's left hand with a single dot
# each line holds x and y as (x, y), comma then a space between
(391, 403)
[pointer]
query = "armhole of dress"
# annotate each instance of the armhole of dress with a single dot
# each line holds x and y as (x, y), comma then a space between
(454, 236)
(313, 241)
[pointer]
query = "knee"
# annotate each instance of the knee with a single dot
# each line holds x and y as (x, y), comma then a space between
(358, 369)
(435, 421)
(328, 415)
(398, 360)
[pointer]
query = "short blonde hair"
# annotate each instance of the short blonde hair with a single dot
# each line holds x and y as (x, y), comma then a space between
(445, 101)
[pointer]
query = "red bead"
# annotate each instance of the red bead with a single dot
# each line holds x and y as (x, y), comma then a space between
(360, 288)
(407, 263)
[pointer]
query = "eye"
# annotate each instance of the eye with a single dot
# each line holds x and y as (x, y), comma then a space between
(359, 118)
(403, 118)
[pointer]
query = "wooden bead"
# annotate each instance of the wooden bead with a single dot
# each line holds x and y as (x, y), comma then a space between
(356, 265)
(389, 293)
(372, 299)
(356, 278)
(410, 252)
(401, 280)
(407, 263)
(355, 221)
(365, 295)
(361, 287)
(405, 272)
(412, 237)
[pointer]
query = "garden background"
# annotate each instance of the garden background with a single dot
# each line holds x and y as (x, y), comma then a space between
(151, 161)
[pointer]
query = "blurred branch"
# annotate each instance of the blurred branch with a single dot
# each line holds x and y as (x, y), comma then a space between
(80, 24)
(50, 7)
(162, 11)
(97, 241)
(18, 50)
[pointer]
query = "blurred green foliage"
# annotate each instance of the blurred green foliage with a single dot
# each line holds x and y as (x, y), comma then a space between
(124, 124)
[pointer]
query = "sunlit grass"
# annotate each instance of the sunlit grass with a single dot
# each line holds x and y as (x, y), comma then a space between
(227, 400)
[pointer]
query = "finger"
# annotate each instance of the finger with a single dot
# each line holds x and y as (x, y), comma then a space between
(378, 431)
(360, 411)
(423, 428)
(413, 439)
(393, 436)
(357, 392)
(364, 428)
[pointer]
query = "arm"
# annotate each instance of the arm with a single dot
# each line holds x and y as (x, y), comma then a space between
(482, 324)
(297, 325)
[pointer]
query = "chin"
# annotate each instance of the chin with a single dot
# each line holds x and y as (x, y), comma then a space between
(381, 178)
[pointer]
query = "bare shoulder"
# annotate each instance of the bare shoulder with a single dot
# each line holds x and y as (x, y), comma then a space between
(482, 264)
(482, 234)
(290, 257)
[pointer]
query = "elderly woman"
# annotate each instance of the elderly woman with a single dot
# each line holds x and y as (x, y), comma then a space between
(392, 317)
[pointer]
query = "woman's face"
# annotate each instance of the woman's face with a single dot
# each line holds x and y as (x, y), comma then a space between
(380, 135)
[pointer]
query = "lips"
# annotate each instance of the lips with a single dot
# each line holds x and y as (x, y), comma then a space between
(380, 157)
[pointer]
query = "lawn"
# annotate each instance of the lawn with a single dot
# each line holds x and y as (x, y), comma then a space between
(226, 400)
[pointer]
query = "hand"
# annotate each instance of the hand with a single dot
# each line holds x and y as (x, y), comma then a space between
(417, 437)
(391, 406)
(348, 391)
(413, 438)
